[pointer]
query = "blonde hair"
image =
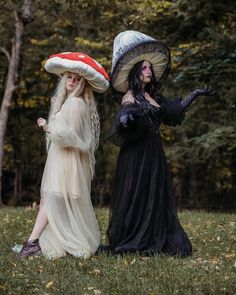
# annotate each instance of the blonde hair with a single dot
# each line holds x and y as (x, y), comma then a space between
(82, 90)
(95, 126)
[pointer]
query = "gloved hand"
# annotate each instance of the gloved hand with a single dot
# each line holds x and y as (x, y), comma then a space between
(206, 91)
(125, 118)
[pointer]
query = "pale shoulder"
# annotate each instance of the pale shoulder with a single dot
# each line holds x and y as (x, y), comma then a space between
(128, 98)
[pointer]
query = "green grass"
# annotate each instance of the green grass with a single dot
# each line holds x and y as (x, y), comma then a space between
(211, 269)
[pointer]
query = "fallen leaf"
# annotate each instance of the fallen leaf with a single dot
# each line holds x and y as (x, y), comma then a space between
(13, 263)
(49, 284)
(230, 255)
(133, 261)
(97, 271)
(125, 262)
(2, 287)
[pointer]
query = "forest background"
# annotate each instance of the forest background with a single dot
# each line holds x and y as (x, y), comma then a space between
(202, 38)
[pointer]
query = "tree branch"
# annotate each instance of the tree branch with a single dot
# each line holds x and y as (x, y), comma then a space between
(6, 53)
(25, 12)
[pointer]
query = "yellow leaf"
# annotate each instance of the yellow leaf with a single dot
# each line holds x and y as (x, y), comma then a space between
(49, 284)
(13, 263)
(230, 255)
(133, 261)
(97, 271)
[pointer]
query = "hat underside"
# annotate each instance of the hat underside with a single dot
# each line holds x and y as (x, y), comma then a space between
(154, 52)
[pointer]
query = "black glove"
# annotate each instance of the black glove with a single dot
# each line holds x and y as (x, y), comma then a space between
(125, 118)
(206, 91)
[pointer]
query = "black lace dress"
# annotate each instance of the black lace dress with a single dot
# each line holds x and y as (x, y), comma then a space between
(143, 214)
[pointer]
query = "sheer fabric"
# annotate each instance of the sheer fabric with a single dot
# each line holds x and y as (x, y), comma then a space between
(66, 185)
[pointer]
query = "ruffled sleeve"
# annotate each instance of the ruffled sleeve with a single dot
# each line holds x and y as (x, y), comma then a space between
(135, 129)
(173, 113)
(70, 127)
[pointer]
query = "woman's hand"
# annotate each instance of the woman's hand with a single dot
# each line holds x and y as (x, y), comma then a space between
(42, 123)
(206, 91)
(124, 119)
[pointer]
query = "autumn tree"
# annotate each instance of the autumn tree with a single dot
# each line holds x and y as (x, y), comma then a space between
(22, 18)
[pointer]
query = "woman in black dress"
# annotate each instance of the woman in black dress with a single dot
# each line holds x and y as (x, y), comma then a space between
(143, 214)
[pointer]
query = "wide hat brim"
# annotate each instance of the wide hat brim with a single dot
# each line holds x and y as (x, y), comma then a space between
(154, 51)
(82, 64)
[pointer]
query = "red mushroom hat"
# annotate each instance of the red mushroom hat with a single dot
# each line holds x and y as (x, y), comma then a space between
(82, 64)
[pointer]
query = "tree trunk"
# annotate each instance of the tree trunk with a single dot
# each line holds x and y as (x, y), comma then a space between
(22, 18)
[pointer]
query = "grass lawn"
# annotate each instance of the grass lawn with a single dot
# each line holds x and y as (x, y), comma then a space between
(210, 270)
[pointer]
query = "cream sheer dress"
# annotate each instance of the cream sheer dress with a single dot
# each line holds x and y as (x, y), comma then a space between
(66, 185)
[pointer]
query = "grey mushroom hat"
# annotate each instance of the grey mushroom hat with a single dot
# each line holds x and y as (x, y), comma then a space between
(131, 47)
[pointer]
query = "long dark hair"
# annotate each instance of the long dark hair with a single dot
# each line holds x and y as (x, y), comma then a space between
(134, 83)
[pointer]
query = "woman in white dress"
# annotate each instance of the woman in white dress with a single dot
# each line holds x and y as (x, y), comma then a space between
(66, 222)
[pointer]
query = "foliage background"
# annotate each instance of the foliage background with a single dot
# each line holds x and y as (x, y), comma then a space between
(202, 38)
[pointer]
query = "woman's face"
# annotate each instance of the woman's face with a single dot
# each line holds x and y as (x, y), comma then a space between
(146, 73)
(72, 81)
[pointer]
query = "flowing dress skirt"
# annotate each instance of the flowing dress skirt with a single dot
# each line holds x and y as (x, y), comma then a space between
(65, 193)
(143, 214)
